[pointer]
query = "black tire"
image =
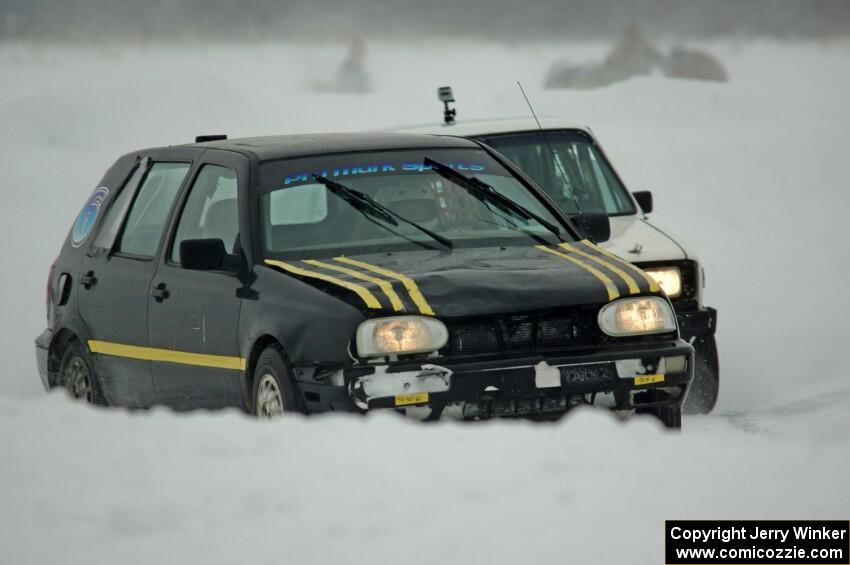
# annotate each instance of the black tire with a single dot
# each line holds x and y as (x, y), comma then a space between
(273, 367)
(705, 388)
(670, 416)
(78, 376)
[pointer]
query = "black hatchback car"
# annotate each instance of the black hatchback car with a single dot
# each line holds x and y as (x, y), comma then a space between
(350, 272)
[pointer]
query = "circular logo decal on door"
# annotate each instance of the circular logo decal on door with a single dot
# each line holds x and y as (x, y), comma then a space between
(88, 216)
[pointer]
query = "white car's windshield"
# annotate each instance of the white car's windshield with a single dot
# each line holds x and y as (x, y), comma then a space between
(393, 200)
(589, 177)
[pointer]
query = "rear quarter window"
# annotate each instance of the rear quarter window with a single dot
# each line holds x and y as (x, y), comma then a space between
(112, 222)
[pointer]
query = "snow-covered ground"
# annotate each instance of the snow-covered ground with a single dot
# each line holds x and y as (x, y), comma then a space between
(752, 174)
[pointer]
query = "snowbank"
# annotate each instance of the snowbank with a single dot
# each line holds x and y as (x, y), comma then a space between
(88, 486)
(752, 173)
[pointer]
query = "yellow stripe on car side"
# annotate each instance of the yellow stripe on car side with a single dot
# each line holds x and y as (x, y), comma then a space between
(409, 284)
(166, 355)
(385, 286)
(630, 282)
(603, 278)
(653, 286)
(364, 293)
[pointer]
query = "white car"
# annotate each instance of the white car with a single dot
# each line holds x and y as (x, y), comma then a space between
(569, 164)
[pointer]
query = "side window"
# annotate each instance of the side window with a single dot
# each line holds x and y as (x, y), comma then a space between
(210, 211)
(149, 212)
(112, 222)
(607, 201)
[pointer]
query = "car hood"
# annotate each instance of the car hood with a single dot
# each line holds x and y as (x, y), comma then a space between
(471, 282)
(635, 239)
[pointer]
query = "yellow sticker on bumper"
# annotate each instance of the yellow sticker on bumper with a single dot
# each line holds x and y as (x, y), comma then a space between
(412, 398)
(648, 379)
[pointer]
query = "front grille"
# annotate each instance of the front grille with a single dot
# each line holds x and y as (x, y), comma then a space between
(524, 333)
(474, 339)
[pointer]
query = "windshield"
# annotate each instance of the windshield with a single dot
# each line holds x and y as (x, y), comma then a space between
(589, 177)
(303, 214)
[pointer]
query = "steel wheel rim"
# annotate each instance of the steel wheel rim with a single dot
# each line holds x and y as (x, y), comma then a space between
(78, 379)
(269, 398)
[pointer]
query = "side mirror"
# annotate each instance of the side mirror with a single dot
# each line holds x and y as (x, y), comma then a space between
(596, 223)
(644, 200)
(206, 255)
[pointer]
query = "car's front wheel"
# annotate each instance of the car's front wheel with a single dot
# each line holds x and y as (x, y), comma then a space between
(77, 375)
(274, 391)
(705, 388)
(670, 416)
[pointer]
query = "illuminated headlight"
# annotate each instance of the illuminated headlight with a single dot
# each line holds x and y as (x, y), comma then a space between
(637, 316)
(669, 279)
(400, 335)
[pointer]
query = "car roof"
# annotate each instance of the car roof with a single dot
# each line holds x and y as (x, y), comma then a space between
(273, 147)
(472, 128)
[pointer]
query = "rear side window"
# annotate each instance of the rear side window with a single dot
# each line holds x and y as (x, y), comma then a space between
(210, 211)
(149, 213)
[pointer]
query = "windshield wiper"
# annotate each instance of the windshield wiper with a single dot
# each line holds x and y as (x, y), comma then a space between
(486, 193)
(371, 207)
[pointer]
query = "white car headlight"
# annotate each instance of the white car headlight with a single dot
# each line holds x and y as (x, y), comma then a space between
(668, 278)
(637, 316)
(400, 335)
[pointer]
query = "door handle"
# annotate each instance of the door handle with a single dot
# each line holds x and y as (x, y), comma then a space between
(88, 280)
(160, 293)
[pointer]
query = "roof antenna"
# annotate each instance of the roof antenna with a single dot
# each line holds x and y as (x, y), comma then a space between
(557, 161)
(444, 94)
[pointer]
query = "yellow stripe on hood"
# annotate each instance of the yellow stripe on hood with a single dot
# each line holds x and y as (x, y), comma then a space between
(630, 282)
(364, 293)
(603, 278)
(385, 286)
(653, 286)
(409, 284)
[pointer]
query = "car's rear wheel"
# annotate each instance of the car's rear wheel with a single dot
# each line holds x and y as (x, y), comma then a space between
(77, 375)
(705, 388)
(274, 391)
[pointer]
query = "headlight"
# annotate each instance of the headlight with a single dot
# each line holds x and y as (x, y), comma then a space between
(637, 316)
(669, 279)
(400, 335)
